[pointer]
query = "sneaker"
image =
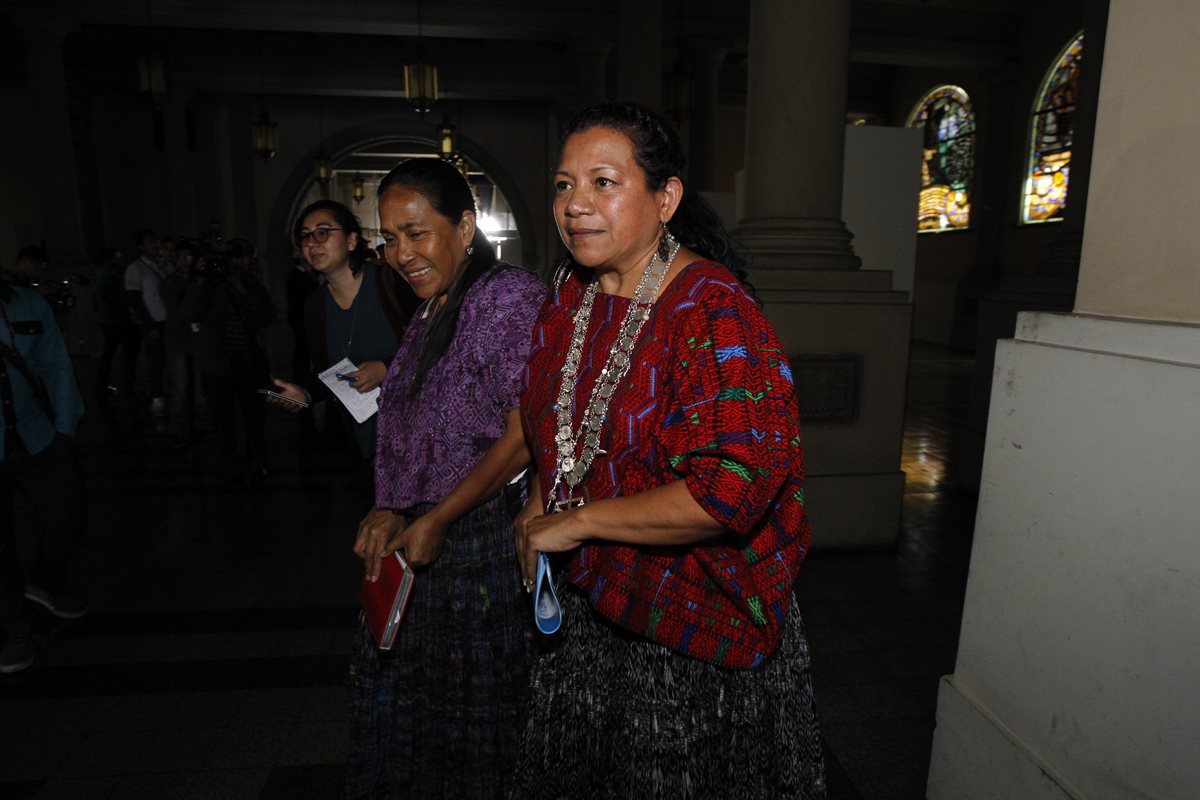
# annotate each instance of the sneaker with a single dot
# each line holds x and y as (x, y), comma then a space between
(61, 607)
(158, 407)
(17, 654)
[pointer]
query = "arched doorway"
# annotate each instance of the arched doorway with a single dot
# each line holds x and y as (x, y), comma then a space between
(355, 177)
(368, 152)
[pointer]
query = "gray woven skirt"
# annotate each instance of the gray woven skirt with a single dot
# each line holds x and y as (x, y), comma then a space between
(438, 715)
(612, 715)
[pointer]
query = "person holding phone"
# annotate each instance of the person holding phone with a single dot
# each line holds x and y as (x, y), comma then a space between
(359, 313)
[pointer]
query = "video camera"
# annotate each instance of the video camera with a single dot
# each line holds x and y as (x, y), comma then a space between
(214, 257)
(59, 294)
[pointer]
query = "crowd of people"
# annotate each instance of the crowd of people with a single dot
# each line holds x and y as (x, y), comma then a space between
(619, 452)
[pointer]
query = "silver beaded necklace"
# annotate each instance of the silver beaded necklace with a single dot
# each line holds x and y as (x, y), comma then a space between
(577, 452)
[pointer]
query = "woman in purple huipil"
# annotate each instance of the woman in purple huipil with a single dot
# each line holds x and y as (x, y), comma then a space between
(437, 716)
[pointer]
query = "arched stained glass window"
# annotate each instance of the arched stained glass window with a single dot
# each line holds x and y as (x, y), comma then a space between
(1051, 133)
(945, 115)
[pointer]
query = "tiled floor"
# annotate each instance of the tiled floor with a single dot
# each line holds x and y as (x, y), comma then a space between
(212, 664)
(883, 626)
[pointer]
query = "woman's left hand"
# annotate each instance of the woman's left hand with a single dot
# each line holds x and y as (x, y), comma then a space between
(421, 541)
(368, 376)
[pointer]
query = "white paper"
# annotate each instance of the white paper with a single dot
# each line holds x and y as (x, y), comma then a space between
(361, 405)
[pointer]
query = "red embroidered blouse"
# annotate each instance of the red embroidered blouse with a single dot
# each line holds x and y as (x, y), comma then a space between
(708, 400)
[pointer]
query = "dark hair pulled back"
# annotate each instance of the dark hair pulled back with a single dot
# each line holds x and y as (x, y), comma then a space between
(659, 152)
(447, 191)
(346, 220)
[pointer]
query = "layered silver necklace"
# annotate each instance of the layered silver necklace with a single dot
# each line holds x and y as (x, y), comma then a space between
(577, 449)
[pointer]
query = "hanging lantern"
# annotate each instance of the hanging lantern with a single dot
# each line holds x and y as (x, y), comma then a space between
(359, 190)
(152, 77)
(421, 85)
(323, 167)
(264, 136)
(447, 140)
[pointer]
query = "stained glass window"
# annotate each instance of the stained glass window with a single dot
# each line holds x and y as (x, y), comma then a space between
(1051, 132)
(945, 116)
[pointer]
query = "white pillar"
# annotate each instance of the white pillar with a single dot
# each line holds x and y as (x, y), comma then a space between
(1075, 675)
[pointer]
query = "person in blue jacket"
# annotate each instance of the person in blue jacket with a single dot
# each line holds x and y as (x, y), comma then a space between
(40, 407)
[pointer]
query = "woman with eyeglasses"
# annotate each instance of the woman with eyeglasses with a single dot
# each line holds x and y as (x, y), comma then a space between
(359, 313)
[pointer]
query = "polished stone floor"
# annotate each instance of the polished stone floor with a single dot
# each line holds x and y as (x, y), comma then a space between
(213, 662)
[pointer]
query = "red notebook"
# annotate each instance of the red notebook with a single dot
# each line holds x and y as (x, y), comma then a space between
(385, 599)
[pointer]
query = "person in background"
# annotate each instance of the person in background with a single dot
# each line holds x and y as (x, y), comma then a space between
(28, 266)
(40, 407)
(185, 397)
(302, 281)
(359, 314)
(117, 328)
(670, 492)
(436, 716)
(168, 252)
(231, 307)
(143, 287)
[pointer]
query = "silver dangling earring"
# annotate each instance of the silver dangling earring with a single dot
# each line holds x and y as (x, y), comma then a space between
(665, 244)
(470, 250)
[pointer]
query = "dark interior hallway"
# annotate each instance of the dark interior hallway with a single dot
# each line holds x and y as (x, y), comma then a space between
(212, 662)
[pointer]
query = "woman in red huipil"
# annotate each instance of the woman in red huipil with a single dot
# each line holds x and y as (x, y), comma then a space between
(661, 412)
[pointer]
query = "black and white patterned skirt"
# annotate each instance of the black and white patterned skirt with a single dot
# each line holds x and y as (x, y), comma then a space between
(612, 715)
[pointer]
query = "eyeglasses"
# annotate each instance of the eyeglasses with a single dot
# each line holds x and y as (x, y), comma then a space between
(319, 235)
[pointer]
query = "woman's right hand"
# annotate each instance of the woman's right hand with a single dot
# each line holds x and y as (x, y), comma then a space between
(292, 392)
(530, 511)
(378, 528)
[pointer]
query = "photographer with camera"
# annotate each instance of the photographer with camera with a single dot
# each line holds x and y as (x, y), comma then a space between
(231, 307)
(143, 288)
(117, 327)
(186, 408)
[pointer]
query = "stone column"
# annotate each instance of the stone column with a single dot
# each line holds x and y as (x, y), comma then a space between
(796, 138)
(639, 52)
(845, 329)
(707, 56)
(53, 143)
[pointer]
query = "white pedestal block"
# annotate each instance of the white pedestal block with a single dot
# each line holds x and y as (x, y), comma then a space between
(1080, 640)
(975, 758)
